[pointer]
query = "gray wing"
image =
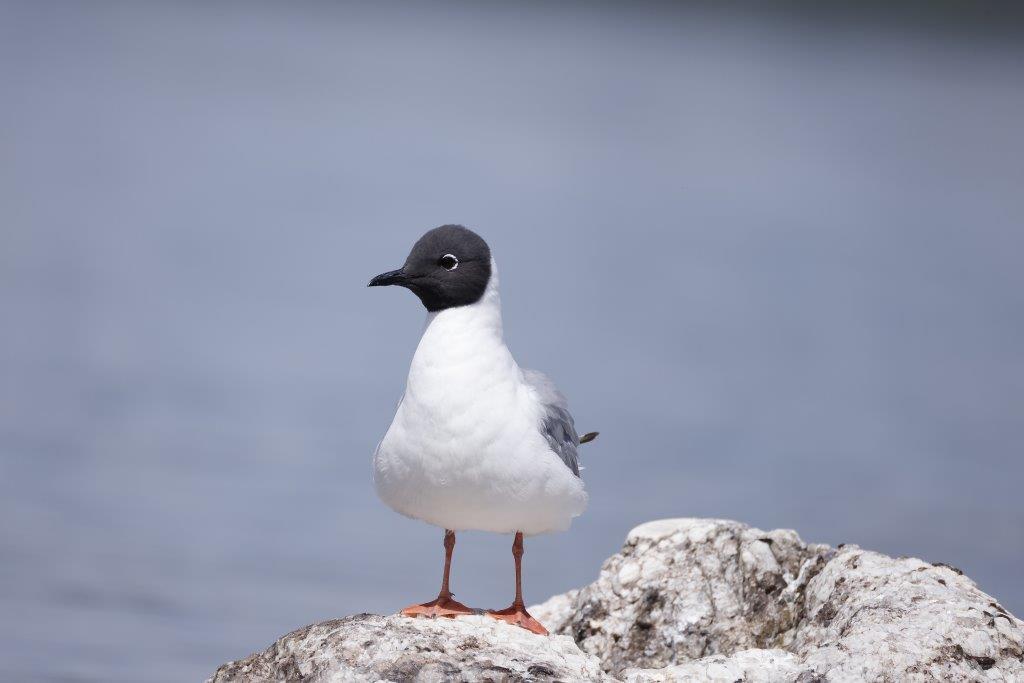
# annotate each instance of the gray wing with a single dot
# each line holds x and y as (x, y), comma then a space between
(556, 422)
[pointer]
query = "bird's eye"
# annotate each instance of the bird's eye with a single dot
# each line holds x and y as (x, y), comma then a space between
(448, 262)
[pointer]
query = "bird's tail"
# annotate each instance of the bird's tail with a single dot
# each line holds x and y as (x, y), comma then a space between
(588, 437)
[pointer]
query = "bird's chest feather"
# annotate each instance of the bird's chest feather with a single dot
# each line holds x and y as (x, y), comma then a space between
(465, 401)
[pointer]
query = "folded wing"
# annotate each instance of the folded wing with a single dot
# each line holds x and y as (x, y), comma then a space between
(556, 422)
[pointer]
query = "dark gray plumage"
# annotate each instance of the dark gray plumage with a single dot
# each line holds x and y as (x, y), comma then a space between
(557, 424)
(560, 431)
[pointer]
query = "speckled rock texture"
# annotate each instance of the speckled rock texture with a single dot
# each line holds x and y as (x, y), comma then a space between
(690, 600)
(683, 589)
(749, 666)
(715, 600)
(368, 647)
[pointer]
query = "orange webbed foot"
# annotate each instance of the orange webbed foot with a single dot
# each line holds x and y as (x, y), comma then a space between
(518, 616)
(443, 606)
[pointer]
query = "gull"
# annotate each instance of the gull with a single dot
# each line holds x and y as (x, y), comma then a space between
(477, 443)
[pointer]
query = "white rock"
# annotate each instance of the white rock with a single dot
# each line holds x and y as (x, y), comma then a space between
(555, 612)
(749, 666)
(690, 600)
(367, 647)
(661, 528)
(737, 601)
(720, 588)
(903, 619)
(629, 573)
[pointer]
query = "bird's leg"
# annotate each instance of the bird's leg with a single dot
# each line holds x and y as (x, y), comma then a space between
(516, 614)
(443, 606)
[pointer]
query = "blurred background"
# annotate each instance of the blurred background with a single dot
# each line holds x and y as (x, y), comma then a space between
(774, 256)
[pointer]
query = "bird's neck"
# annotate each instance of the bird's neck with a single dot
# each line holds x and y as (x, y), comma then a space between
(481, 319)
(456, 335)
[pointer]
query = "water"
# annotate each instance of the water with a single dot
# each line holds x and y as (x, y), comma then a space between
(774, 259)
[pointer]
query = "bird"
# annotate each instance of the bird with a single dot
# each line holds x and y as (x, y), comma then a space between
(477, 442)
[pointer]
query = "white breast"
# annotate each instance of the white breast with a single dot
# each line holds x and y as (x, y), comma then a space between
(464, 450)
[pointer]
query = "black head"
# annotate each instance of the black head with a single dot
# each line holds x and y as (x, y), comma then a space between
(449, 266)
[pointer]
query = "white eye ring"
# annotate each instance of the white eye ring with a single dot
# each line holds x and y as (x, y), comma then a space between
(449, 256)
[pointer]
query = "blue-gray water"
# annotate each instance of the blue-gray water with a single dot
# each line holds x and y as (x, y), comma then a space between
(775, 259)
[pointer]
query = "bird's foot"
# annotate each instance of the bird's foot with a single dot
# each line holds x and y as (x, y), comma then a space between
(518, 616)
(443, 606)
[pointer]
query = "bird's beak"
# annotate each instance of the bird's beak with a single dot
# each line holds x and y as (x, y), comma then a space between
(392, 277)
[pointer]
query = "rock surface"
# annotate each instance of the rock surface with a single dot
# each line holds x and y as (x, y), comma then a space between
(767, 606)
(368, 647)
(682, 589)
(691, 600)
